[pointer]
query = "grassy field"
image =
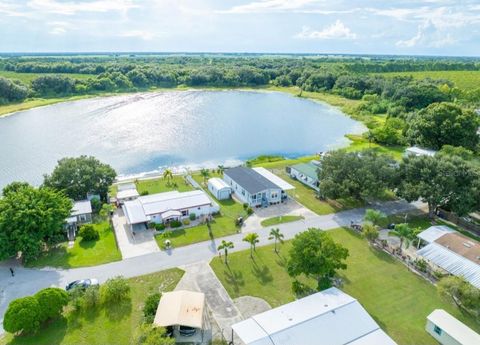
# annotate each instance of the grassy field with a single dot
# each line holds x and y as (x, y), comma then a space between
(395, 297)
(221, 226)
(280, 220)
(462, 79)
(160, 185)
(358, 143)
(83, 253)
(28, 77)
(115, 325)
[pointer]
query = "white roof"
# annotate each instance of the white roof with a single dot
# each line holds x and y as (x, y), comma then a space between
(451, 262)
(126, 186)
(418, 151)
(140, 210)
(454, 328)
(127, 193)
(218, 183)
(433, 233)
(282, 184)
(81, 207)
(330, 317)
(184, 308)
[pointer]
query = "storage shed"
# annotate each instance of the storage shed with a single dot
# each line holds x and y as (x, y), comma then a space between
(219, 188)
(447, 330)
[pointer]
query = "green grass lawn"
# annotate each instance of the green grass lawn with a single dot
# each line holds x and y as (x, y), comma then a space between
(116, 325)
(160, 185)
(396, 298)
(280, 220)
(83, 253)
(358, 143)
(28, 77)
(462, 79)
(221, 226)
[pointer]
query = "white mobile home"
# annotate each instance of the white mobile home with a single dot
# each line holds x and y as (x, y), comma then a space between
(81, 214)
(447, 330)
(126, 192)
(165, 207)
(219, 188)
(327, 317)
(256, 187)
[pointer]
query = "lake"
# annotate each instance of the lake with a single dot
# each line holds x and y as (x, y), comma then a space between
(147, 131)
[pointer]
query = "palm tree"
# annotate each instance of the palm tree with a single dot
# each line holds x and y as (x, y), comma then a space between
(221, 169)
(225, 246)
(168, 175)
(276, 235)
(252, 238)
(205, 173)
(405, 233)
(374, 216)
(370, 231)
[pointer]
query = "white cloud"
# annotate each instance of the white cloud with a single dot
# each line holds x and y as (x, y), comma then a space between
(72, 7)
(271, 6)
(338, 30)
(428, 35)
(59, 28)
(143, 35)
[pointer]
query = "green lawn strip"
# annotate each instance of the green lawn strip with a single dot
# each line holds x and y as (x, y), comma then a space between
(221, 227)
(359, 143)
(398, 299)
(161, 185)
(461, 79)
(83, 253)
(27, 78)
(117, 325)
(280, 220)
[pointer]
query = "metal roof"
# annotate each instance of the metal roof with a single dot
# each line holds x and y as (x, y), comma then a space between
(140, 210)
(451, 262)
(282, 184)
(434, 232)
(249, 179)
(125, 186)
(81, 207)
(184, 308)
(308, 169)
(218, 183)
(127, 193)
(454, 328)
(330, 317)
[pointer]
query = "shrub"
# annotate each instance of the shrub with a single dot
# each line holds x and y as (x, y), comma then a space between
(150, 307)
(192, 216)
(22, 315)
(421, 265)
(115, 290)
(154, 336)
(245, 206)
(160, 227)
(249, 211)
(51, 302)
(88, 233)
(144, 192)
(186, 222)
(96, 205)
(152, 225)
(175, 224)
(76, 298)
(91, 297)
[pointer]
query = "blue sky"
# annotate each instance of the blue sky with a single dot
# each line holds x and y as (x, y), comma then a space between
(424, 27)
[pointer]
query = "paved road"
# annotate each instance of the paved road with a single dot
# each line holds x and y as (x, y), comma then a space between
(28, 281)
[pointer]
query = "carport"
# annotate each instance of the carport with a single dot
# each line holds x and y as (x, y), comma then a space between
(180, 309)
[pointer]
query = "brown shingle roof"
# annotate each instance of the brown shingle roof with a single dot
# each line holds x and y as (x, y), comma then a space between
(462, 245)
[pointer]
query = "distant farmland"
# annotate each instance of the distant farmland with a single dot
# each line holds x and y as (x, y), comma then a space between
(462, 79)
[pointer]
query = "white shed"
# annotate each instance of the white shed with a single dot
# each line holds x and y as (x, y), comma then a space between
(219, 188)
(447, 330)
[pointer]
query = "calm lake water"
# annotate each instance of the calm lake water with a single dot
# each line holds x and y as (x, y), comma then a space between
(144, 132)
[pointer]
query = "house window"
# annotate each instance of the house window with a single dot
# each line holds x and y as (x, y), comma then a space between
(254, 196)
(82, 217)
(437, 330)
(184, 213)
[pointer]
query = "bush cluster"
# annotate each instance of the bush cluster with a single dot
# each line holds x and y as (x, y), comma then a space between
(89, 233)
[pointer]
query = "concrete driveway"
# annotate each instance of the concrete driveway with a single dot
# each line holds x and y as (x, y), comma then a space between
(130, 245)
(291, 207)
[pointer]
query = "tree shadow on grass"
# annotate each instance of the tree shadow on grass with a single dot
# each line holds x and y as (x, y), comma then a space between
(119, 311)
(234, 279)
(87, 244)
(281, 260)
(381, 255)
(262, 273)
(50, 334)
